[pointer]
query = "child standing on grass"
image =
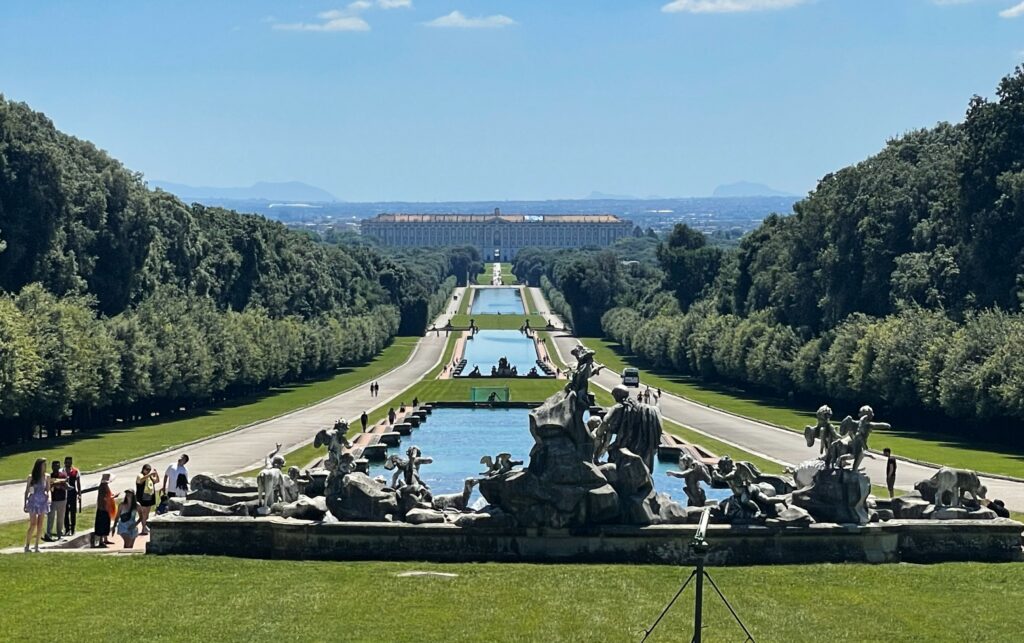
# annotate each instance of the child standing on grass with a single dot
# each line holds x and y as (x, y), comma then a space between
(37, 502)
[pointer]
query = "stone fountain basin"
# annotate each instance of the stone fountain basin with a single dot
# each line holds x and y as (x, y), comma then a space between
(911, 541)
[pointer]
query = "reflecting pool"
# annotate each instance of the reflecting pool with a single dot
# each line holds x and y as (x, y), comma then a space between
(457, 438)
(489, 346)
(494, 301)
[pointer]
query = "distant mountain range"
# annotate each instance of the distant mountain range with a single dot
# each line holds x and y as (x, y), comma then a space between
(290, 191)
(746, 188)
(602, 196)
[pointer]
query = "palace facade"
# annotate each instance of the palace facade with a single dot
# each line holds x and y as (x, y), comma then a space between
(497, 236)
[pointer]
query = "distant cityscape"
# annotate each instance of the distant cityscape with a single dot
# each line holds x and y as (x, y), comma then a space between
(734, 215)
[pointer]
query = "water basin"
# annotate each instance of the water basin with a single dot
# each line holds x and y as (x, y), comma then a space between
(489, 346)
(497, 301)
(456, 438)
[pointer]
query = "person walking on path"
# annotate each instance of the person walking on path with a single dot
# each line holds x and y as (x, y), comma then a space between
(74, 502)
(58, 503)
(37, 502)
(391, 415)
(371, 389)
(145, 494)
(106, 510)
(890, 471)
(363, 419)
(128, 519)
(175, 484)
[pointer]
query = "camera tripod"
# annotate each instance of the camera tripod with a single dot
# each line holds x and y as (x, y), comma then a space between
(699, 546)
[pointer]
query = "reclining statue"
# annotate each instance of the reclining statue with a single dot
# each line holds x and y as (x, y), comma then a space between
(457, 501)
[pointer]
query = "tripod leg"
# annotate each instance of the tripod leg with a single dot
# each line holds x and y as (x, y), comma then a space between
(750, 637)
(668, 607)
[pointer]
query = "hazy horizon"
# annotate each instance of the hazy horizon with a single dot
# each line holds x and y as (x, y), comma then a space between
(431, 100)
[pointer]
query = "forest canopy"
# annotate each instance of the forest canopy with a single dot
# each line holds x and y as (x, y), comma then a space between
(898, 282)
(117, 301)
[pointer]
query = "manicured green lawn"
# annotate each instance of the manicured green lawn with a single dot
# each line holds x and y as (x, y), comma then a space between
(464, 303)
(95, 450)
(507, 278)
(938, 449)
(226, 599)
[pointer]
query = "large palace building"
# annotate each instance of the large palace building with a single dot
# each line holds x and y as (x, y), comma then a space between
(498, 236)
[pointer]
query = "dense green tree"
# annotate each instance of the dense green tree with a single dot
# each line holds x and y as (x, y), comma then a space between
(690, 265)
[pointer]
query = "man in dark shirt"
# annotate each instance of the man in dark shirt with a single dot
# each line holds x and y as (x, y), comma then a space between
(890, 470)
(363, 419)
(58, 501)
(74, 498)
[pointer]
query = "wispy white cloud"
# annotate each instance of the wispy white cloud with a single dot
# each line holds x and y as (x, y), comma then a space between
(1013, 12)
(347, 19)
(727, 6)
(333, 20)
(458, 20)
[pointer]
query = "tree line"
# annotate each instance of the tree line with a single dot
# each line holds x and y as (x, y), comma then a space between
(117, 301)
(898, 282)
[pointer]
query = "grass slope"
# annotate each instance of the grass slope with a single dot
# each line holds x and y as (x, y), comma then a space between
(939, 449)
(507, 601)
(96, 450)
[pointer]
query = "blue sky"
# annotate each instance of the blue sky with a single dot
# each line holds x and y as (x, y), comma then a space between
(496, 99)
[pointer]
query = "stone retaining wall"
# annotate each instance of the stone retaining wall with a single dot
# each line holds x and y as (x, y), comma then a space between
(895, 541)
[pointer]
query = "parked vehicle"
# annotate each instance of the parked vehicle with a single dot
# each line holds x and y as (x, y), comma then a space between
(630, 377)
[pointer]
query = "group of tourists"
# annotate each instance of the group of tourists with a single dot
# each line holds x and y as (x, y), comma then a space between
(647, 396)
(57, 497)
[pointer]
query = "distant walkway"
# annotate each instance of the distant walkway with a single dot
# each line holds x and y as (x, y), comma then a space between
(245, 449)
(770, 442)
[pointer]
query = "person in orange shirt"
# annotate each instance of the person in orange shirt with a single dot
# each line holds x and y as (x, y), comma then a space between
(105, 512)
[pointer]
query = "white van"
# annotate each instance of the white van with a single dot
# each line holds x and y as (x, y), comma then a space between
(630, 377)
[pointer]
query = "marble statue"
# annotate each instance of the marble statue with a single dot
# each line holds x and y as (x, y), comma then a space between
(457, 501)
(947, 486)
(564, 484)
(824, 430)
(636, 427)
(502, 463)
(270, 481)
(750, 500)
(692, 473)
(290, 485)
(407, 470)
(851, 445)
(334, 440)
